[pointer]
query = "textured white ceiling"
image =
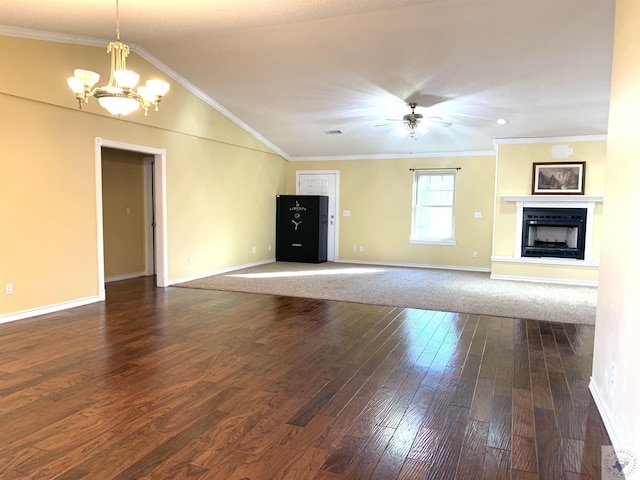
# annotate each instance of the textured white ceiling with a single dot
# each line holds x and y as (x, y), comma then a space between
(292, 69)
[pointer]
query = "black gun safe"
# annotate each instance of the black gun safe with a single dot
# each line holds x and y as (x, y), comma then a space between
(301, 228)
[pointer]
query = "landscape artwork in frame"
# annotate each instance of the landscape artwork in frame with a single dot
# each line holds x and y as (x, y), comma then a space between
(560, 178)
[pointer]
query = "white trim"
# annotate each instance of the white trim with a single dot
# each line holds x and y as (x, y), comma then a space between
(51, 36)
(98, 42)
(604, 414)
(218, 272)
(495, 207)
(97, 152)
(125, 276)
(544, 200)
(416, 239)
(556, 281)
(149, 247)
(160, 167)
(555, 201)
(394, 156)
(206, 98)
(431, 242)
(574, 138)
(162, 235)
(34, 312)
(418, 265)
(565, 262)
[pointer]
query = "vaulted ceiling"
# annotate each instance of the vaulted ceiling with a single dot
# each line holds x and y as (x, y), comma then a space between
(294, 70)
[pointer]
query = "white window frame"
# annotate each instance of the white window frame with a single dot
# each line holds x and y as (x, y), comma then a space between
(450, 240)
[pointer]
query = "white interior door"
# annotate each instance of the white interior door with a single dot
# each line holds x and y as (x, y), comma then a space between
(323, 183)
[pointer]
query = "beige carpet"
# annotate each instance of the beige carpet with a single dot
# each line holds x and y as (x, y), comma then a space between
(429, 289)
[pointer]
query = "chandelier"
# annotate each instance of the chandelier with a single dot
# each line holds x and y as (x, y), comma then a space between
(119, 96)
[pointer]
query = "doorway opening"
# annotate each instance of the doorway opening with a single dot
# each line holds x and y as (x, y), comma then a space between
(155, 232)
(127, 214)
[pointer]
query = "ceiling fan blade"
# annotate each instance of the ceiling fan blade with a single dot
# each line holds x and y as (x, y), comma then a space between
(438, 121)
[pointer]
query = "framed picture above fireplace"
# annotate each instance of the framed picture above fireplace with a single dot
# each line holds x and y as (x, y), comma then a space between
(560, 178)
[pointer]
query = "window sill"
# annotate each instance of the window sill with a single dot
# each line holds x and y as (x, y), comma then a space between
(432, 242)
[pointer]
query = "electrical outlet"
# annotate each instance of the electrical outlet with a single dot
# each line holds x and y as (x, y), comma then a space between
(254, 250)
(269, 247)
(190, 260)
(8, 289)
(354, 248)
(475, 254)
(361, 248)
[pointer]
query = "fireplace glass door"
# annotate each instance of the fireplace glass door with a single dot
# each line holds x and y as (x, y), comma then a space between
(554, 232)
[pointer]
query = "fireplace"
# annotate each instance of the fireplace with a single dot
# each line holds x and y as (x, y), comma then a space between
(554, 232)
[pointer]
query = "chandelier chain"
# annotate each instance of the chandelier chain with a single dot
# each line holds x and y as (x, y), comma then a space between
(117, 20)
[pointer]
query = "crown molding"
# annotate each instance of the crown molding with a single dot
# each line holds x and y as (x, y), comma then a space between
(394, 156)
(138, 50)
(52, 36)
(574, 138)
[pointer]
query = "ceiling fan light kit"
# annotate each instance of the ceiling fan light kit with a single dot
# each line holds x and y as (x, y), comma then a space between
(414, 123)
(118, 96)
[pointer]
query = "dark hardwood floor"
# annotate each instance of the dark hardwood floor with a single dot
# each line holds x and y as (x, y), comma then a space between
(178, 383)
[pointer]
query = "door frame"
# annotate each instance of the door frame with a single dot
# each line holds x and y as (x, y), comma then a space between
(160, 206)
(149, 216)
(336, 230)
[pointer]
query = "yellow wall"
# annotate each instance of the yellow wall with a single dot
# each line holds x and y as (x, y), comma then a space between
(123, 206)
(514, 177)
(221, 181)
(378, 195)
(221, 185)
(618, 311)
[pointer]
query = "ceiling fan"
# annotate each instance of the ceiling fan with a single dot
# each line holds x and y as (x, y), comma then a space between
(413, 122)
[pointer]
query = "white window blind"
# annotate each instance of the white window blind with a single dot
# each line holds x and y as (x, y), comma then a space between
(433, 206)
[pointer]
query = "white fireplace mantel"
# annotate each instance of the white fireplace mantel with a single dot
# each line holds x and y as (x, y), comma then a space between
(555, 201)
(563, 199)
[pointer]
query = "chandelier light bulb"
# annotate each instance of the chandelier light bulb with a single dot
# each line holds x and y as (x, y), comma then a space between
(76, 85)
(146, 94)
(119, 105)
(158, 87)
(86, 77)
(126, 79)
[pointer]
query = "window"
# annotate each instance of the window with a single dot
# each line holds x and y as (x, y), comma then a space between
(433, 207)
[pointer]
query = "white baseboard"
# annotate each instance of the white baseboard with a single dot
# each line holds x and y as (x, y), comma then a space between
(563, 262)
(604, 414)
(126, 276)
(218, 272)
(417, 265)
(558, 281)
(34, 312)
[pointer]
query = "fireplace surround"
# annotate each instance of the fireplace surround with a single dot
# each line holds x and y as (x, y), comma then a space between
(587, 202)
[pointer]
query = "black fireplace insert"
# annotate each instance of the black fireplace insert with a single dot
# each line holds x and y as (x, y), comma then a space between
(554, 232)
